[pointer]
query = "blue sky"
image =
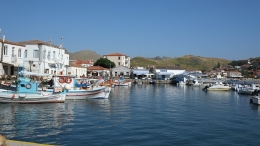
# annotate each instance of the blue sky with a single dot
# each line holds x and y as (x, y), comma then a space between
(228, 29)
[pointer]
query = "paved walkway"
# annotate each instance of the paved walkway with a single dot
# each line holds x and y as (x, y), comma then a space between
(21, 143)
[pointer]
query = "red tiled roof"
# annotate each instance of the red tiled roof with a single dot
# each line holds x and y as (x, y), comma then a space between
(115, 54)
(12, 43)
(72, 64)
(97, 68)
(83, 62)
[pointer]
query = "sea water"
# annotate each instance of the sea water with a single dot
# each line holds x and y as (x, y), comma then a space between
(138, 115)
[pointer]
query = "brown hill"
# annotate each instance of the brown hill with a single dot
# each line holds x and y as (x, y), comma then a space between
(84, 55)
(188, 62)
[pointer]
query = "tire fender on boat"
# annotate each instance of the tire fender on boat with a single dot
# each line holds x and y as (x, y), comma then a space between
(68, 80)
(61, 79)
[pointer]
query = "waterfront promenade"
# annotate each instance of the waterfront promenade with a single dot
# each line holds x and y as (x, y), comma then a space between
(243, 81)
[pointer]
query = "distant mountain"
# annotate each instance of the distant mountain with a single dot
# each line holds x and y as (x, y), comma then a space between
(84, 55)
(188, 62)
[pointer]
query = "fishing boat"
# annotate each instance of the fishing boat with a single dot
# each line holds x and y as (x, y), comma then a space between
(79, 91)
(26, 91)
(122, 82)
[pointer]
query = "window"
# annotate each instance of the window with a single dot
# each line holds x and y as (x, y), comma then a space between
(35, 53)
(118, 57)
(53, 55)
(12, 51)
(19, 53)
(49, 55)
(25, 53)
(118, 63)
(5, 50)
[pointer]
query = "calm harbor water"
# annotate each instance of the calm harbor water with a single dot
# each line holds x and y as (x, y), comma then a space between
(138, 115)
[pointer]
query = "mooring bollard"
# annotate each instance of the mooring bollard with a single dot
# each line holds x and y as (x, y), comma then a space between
(2, 141)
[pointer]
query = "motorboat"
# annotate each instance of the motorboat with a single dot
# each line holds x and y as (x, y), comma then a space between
(255, 99)
(247, 89)
(217, 87)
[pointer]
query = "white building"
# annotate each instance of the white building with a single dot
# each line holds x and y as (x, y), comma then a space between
(44, 57)
(11, 55)
(119, 59)
(77, 70)
(163, 74)
(121, 71)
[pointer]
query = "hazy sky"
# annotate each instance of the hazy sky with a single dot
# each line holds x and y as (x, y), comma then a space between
(227, 29)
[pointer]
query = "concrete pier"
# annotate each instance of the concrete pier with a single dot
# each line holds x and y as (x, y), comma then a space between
(5, 142)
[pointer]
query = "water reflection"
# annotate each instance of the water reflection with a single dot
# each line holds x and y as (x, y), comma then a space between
(16, 119)
(42, 120)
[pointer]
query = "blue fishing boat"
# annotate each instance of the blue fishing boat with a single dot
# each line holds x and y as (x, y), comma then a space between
(26, 91)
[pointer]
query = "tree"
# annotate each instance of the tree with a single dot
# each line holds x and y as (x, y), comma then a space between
(218, 65)
(104, 62)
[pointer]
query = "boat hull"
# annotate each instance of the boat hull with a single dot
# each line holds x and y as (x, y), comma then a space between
(255, 100)
(100, 94)
(96, 92)
(123, 84)
(41, 97)
(218, 89)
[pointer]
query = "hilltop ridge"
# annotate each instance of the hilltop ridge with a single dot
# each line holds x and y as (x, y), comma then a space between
(188, 62)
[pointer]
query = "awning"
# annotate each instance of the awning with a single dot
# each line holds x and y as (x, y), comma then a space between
(165, 73)
(139, 72)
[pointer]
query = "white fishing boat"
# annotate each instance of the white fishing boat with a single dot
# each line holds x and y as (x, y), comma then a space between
(26, 91)
(217, 87)
(77, 91)
(122, 82)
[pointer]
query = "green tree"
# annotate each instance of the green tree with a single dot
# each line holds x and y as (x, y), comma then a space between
(104, 62)
(218, 65)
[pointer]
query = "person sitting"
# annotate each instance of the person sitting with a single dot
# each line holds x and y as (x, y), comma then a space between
(51, 83)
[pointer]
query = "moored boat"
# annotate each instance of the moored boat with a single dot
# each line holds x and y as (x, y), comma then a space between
(247, 89)
(122, 82)
(76, 91)
(26, 91)
(217, 87)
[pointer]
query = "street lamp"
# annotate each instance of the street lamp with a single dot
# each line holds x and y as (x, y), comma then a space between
(31, 63)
